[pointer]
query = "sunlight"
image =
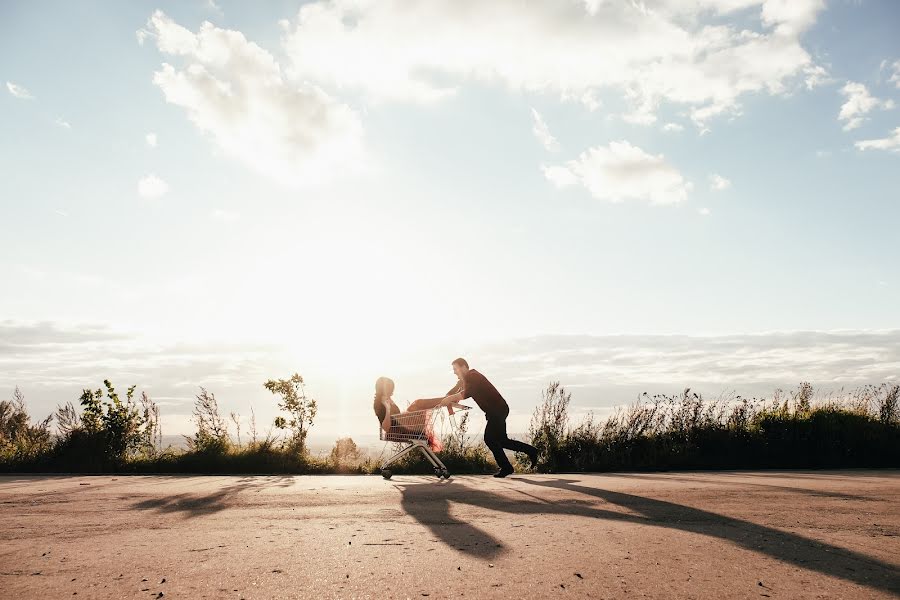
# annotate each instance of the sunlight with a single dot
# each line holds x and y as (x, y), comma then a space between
(361, 319)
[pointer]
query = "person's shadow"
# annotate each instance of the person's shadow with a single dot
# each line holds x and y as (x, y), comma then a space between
(430, 505)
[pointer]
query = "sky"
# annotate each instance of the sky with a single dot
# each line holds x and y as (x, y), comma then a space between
(623, 196)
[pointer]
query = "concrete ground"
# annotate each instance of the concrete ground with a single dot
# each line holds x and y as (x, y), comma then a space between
(670, 535)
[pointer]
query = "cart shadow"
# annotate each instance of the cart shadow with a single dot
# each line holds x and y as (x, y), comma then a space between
(431, 506)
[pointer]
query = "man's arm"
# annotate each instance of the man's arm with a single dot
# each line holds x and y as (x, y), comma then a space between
(452, 399)
(440, 400)
(457, 394)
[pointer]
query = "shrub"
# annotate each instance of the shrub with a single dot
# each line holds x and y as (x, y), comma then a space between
(549, 423)
(344, 451)
(20, 441)
(301, 410)
(110, 430)
(689, 432)
(211, 436)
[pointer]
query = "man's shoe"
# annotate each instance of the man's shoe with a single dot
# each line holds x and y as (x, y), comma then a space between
(503, 473)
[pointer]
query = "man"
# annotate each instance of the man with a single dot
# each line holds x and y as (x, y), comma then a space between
(476, 386)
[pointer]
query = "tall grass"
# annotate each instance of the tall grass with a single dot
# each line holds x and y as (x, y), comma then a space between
(797, 429)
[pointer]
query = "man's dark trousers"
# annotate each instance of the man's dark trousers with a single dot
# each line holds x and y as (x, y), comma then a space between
(496, 439)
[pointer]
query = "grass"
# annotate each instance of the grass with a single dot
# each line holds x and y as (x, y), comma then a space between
(662, 432)
(796, 429)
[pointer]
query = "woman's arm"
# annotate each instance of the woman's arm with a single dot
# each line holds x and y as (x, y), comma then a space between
(423, 403)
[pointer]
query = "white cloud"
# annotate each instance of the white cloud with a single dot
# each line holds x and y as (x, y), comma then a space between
(672, 127)
(18, 91)
(229, 216)
(746, 362)
(790, 16)
(697, 54)
(63, 123)
(152, 186)
(61, 359)
(621, 171)
(890, 143)
(704, 211)
(859, 103)
(560, 176)
(236, 92)
(587, 99)
(542, 132)
(151, 139)
(717, 183)
(816, 75)
(895, 76)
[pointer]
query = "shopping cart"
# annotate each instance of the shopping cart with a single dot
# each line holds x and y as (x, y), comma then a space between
(414, 428)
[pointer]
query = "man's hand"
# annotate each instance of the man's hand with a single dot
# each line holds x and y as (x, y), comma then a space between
(451, 399)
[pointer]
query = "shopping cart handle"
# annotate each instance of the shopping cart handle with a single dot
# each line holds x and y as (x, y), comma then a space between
(457, 406)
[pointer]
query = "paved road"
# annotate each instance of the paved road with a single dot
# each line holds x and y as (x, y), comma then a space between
(685, 535)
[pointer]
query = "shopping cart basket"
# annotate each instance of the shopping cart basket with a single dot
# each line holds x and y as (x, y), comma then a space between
(413, 428)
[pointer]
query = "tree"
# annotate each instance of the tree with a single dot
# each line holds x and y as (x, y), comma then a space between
(301, 409)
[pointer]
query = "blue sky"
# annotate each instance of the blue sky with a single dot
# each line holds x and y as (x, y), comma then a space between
(351, 189)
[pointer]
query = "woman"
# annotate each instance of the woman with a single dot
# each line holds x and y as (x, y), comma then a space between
(387, 412)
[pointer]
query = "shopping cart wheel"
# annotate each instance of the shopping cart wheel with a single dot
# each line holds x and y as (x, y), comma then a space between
(386, 473)
(446, 474)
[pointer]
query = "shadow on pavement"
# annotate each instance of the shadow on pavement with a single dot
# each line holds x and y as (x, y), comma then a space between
(195, 505)
(431, 508)
(723, 477)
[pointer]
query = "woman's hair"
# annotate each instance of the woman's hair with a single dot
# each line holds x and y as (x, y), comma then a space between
(384, 388)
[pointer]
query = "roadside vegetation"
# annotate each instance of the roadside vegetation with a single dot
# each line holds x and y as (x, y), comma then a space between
(795, 429)
(107, 432)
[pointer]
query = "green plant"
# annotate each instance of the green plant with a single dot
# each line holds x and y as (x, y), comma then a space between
(119, 427)
(212, 434)
(301, 410)
(549, 422)
(19, 439)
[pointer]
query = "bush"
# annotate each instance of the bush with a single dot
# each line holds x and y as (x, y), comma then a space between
(344, 454)
(20, 441)
(301, 410)
(684, 431)
(688, 432)
(549, 422)
(108, 433)
(211, 436)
